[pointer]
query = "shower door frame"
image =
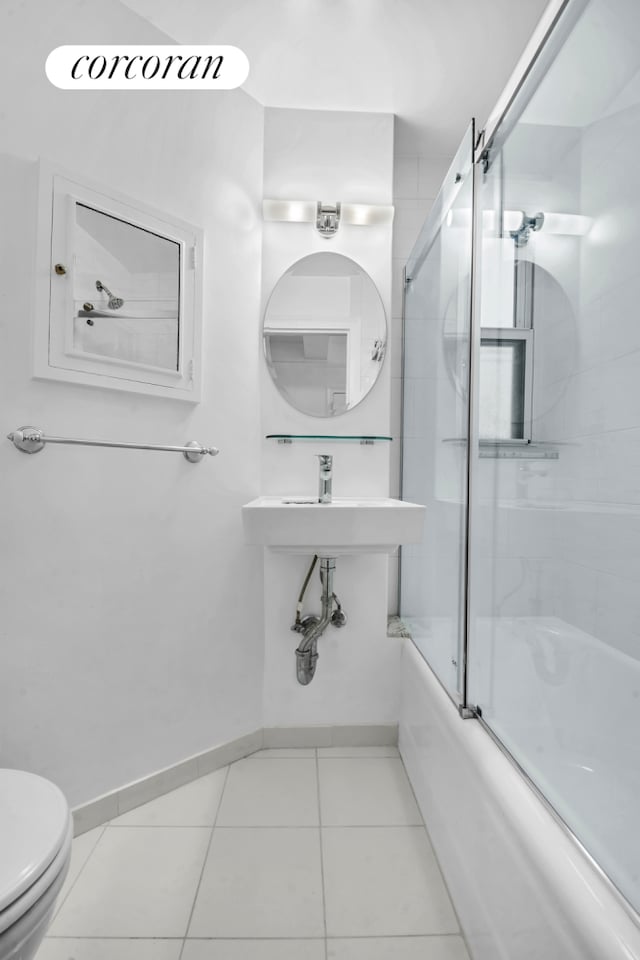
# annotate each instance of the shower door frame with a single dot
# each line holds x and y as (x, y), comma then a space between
(451, 187)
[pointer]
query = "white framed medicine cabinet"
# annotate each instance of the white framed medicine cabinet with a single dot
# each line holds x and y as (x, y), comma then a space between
(118, 292)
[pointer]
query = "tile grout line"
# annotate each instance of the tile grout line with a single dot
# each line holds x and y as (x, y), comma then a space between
(62, 902)
(324, 905)
(460, 932)
(265, 826)
(204, 863)
(349, 936)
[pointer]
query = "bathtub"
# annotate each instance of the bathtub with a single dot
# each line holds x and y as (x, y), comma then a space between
(522, 887)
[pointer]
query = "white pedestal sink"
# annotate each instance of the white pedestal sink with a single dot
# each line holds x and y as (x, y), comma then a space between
(344, 526)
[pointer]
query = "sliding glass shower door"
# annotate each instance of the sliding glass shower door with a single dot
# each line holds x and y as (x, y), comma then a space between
(542, 594)
(554, 574)
(435, 422)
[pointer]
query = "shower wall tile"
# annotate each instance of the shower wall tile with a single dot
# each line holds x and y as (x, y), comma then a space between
(573, 589)
(619, 457)
(594, 404)
(617, 615)
(431, 173)
(394, 352)
(617, 308)
(397, 274)
(405, 177)
(621, 396)
(576, 475)
(407, 224)
(603, 539)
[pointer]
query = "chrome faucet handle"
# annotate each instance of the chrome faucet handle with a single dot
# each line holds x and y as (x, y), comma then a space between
(326, 461)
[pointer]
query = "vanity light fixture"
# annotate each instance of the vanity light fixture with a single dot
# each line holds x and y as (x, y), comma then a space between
(327, 216)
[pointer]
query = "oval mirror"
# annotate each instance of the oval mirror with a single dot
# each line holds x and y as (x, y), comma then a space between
(325, 334)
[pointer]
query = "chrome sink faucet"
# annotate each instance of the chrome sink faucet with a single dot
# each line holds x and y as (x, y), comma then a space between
(326, 475)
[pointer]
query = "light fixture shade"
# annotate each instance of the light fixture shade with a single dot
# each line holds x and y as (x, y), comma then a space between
(301, 211)
(295, 211)
(366, 214)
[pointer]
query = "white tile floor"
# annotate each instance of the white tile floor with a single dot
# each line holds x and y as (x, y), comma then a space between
(287, 855)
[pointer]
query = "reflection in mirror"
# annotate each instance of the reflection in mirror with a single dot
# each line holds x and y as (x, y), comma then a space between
(324, 334)
(126, 291)
(519, 325)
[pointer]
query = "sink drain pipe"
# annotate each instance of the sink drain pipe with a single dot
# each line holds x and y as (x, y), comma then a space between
(313, 627)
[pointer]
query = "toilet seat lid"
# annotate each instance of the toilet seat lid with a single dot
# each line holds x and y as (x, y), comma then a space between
(34, 817)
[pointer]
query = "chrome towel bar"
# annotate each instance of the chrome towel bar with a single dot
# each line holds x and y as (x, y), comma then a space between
(32, 440)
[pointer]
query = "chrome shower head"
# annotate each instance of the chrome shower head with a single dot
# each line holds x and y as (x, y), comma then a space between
(114, 303)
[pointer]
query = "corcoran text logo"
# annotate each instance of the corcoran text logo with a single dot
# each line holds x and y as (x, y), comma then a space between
(128, 67)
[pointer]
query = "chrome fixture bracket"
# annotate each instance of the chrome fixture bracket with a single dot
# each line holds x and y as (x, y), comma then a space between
(467, 712)
(327, 218)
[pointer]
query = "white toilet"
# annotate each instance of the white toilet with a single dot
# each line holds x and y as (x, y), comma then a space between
(36, 830)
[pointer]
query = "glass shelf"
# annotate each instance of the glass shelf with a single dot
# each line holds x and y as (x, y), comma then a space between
(295, 437)
(512, 449)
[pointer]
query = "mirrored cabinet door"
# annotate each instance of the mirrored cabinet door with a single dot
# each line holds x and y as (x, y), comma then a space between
(122, 291)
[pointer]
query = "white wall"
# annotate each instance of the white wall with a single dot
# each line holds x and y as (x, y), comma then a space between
(349, 157)
(131, 612)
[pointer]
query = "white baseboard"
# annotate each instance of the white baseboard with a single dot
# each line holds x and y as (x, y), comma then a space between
(96, 812)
